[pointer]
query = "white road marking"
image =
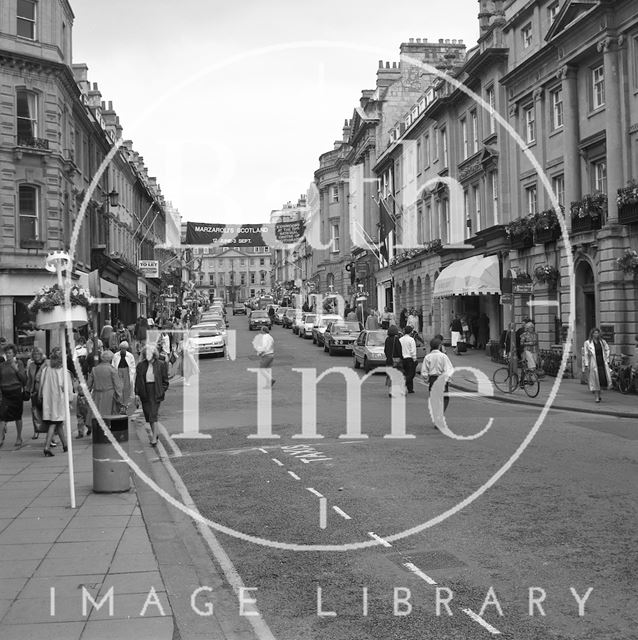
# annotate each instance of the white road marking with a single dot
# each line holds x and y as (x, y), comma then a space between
(385, 543)
(294, 475)
(315, 492)
(477, 618)
(414, 569)
(262, 630)
(323, 513)
(262, 450)
(343, 514)
(279, 462)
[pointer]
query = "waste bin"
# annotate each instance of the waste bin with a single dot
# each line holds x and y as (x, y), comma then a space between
(111, 474)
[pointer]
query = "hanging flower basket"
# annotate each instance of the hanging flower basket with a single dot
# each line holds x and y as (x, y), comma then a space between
(58, 318)
(629, 262)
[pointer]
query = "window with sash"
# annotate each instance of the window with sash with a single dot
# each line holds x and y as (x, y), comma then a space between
(29, 213)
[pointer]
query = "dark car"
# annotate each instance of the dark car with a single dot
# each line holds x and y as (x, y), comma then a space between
(289, 316)
(340, 335)
(258, 319)
(239, 308)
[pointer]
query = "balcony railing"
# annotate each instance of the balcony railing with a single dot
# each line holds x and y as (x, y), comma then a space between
(42, 144)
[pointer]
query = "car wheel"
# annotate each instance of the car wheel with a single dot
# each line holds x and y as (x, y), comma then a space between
(331, 351)
(355, 362)
(314, 340)
(366, 365)
(325, 348)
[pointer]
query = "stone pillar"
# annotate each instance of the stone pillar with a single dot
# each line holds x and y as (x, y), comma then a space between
(615, 180)
(571, 138)
(6, 317)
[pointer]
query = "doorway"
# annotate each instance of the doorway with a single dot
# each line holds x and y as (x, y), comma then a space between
(586, 312)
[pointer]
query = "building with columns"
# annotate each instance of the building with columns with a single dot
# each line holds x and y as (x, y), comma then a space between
(56, 131)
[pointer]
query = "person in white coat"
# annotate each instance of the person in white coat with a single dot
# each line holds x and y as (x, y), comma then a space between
(124, 362)
(595, 363)
(51, 395)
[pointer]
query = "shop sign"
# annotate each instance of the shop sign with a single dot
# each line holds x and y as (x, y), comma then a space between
(149, 268)
(523, 287)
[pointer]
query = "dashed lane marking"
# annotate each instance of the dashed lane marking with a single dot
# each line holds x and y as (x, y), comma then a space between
(279, 462)
(294, 475)
(315, 492)
(477, 618)
(343, 514)
(385, 543)
(416, 571)
(262, 450)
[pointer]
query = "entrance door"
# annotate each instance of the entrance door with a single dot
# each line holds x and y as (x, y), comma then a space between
(585, 304)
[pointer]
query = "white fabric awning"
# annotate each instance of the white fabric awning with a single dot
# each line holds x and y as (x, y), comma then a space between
(468, 277)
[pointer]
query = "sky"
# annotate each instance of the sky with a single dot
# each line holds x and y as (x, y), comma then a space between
(232, 103)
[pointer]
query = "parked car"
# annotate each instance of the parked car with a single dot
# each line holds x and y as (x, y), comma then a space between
(239, 308)
(209, 316)
(258, 318)
(279, 315)
(306, 324)
(296, 321)
(320, 326)
(368, 349)
(291, 313)
(340, 335)
(210, 340)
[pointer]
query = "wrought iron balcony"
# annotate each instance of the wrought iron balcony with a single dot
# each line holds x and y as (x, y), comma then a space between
(42, 144)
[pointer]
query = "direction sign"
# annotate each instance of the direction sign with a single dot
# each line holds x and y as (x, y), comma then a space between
(523, 287)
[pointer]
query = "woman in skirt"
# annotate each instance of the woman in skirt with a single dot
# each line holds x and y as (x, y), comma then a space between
(151, 383)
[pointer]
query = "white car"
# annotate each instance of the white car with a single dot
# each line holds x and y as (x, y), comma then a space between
(321, 325)
(209, 340)
(212, 325)
(306, 325)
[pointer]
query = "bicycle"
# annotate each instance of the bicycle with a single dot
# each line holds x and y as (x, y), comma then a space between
(622, 373)
(508, 381)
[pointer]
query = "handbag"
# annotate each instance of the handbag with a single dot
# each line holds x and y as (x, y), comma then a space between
(26, 395)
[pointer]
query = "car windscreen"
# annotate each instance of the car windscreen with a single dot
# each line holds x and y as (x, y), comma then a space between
(347, 327)
(376, 338)
(310, 318)
(259, 314)
(206, 333)
(291, 312)
(209, 326)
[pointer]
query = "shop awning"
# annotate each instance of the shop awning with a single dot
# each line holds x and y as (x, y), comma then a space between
(128, 294)
(469, 277)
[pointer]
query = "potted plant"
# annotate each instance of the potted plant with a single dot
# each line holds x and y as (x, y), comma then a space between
(629, 261)
(547, 274)
(587, 213)
(627, 200)
(546, 226)
(49, 305)
(520, 233)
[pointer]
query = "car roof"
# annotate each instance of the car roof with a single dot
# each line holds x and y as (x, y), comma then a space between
(204, 325)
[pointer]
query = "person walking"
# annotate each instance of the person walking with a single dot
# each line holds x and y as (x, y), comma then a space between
(408, 355)
(456, 333)
(403, 318)
(12, 380)
(393, 355)
(124, 363)
(595, 363)
(435, 364)
(51, 396)
(372, 321)
(265, 347)
(151, 383)
(105, 386)
(419, 315)
(483, 331)
(35, 367)
(413, 320)
(139, 333)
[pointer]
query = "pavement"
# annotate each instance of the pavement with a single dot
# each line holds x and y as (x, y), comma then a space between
(570, 394)
(150, 554)
(57, 563)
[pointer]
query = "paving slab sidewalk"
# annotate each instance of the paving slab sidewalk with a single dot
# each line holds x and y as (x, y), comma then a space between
(51, 556)
(570, 394)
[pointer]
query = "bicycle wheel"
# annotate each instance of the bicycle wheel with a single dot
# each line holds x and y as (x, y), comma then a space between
(504, 381)
(625, 381)
(531, 385)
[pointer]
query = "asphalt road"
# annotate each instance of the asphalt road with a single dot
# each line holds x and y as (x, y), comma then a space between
(561, 520)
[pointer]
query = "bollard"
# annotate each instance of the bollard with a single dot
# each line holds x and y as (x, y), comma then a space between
(111, 474)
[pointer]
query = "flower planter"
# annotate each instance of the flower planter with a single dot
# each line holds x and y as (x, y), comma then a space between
(628, 213)
(546, 235)
(521, 242)
(586, 223)
(58, 317)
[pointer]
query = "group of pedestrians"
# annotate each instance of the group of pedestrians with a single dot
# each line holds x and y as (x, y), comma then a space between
(116, 379)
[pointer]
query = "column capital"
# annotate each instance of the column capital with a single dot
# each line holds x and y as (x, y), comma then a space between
(611, 43)
(513, 110)
(567, 71)
(538, 94)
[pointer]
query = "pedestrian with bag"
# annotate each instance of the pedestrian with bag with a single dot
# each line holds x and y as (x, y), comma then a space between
(151, 383)
(13, 378)
(408, 358)
(456, 333)
(595, 363)
(105, 386)
(264, 345)
(393, 355)
(51, 395)
(435, 364)
(35, 367)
